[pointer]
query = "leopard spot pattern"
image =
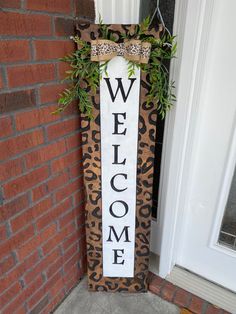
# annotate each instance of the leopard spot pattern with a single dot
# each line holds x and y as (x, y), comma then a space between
(92, 181)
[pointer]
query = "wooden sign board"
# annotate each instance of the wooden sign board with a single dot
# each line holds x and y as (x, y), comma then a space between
(118, 160)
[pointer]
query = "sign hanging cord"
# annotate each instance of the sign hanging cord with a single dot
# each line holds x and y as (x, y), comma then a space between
(159, 15)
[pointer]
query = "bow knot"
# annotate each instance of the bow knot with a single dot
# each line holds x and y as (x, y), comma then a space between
(133, 50)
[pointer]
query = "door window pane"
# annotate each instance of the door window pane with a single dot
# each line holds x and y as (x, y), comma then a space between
(227, 235)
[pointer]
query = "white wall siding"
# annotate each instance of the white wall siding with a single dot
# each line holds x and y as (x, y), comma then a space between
(118, 11)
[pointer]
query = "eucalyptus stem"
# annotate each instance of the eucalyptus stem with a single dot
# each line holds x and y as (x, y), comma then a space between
(84, 71)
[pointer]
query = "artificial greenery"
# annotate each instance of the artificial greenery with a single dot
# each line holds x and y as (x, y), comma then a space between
(85, 72)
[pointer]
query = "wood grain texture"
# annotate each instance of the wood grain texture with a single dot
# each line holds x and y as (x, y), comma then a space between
(92, 181)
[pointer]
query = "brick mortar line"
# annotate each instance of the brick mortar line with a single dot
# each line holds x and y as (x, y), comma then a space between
(78, 228)
(205, 304)
(4, 77)
(45, 134)
(39, 261)
(21, 133)
(72, 209)
(56, 261)
(25, 209)
(78, 250)
(17, 133)
(59, 243)
(75, 264)
(164, 283)
(35, 61)
(204, 307)
(65, 119)
(26, 11)
(40, 146)
(66, 295)
(15, 248)
(83, 17)
(45, 163)
(190, 299)
(73, 194)
(35, 37)
(32, 49)
(14, 267)
(44, 283)
(26, 88)
(59, 271)
(22, 2)
(76, 243)
(72, 256)
(64, 251)
(188, 303)
(8, 230)
(10, 90)
(58, 75)
(57, 221)
(9, 200)
(53, 25)
(72, 7)
(11, 300)
(13, 124)
(31, 62)
(53, 299)
(43, 199)
(34, 220)
(37, 97)
(38, 104)
(1, 76)
(174, 294)
(51, 103)
(16, 196)
(35, 305)
(38, 301)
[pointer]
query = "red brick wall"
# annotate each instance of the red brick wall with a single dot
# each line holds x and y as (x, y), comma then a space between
(42, 247)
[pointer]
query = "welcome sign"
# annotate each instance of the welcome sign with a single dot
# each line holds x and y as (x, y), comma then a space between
(119, 96)
(118, 159)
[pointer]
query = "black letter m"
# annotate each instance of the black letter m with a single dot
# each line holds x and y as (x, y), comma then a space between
(125, 230)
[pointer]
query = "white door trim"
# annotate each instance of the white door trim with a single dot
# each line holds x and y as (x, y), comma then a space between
(117, 12)
(192, 24)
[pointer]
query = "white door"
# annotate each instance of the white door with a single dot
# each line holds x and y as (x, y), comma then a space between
(207, 233)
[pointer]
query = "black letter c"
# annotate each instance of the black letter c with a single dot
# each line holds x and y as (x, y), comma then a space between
(112, 182)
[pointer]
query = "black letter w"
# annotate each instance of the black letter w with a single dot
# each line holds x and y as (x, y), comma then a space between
(120, 86)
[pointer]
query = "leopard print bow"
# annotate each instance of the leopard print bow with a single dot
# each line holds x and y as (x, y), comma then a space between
(133, 50)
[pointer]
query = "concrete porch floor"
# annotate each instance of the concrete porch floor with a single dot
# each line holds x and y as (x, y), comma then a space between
(80, 301)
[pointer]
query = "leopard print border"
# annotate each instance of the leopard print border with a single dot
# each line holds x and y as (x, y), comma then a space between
(92, 181)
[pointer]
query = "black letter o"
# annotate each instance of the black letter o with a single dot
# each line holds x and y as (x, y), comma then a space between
(125, 206)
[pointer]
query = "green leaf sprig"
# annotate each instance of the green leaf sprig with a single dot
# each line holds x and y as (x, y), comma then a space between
(85, 74)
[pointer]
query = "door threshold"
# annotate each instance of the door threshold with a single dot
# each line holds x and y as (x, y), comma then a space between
(207, 290)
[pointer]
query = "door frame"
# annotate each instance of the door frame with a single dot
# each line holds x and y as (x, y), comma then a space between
(192, 25)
